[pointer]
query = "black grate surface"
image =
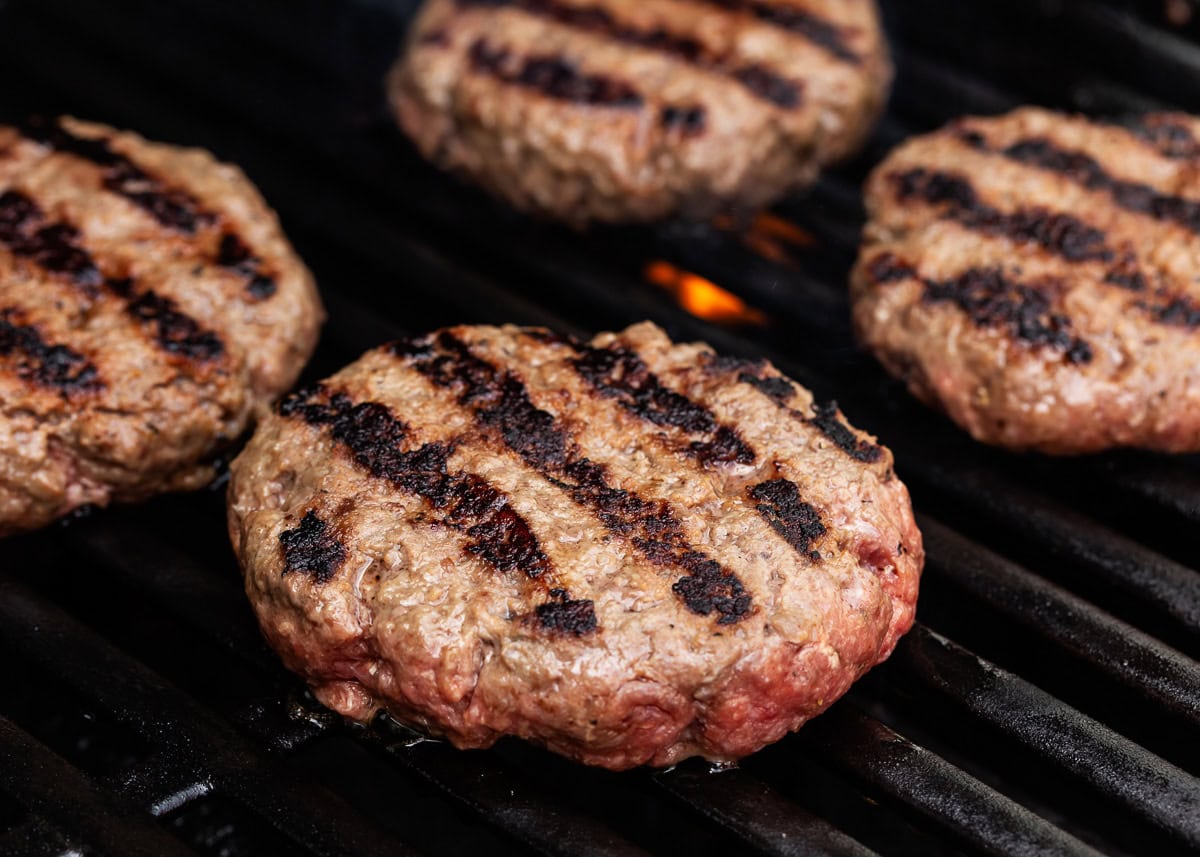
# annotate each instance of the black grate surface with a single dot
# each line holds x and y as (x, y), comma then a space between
(1048, 702)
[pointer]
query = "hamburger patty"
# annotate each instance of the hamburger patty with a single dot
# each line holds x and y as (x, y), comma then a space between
(613, 110)
(628, 551)
(149, 304)
(1038, 277)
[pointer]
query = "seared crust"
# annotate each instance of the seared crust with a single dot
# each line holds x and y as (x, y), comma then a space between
(628, 551)
(611, 110)
(1036, 275)
(149, 305)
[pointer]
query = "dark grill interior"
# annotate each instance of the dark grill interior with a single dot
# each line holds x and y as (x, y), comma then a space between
(1048, 702)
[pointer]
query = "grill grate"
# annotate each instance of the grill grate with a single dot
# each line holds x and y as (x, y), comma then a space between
(145, 716)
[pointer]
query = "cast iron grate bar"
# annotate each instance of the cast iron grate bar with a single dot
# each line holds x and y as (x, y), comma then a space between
(1112, 765)
(1100, 558)
(1128, 656)
(764, 818)
(52, 788)
(183, 729)
(909, 773)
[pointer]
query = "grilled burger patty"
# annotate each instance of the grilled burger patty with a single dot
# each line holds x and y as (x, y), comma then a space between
(616, 110)
(1038, 277)
(148, 305)
(628, 551)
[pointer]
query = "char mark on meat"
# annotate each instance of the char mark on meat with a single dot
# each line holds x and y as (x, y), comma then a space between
(780, 504)
(313, 549)
(562, 613)
(990, 299)
(688, 121)
(813, 28)
(1171, 138)
(825, 418)
(828, 421)
(1064, 235)
(55, 248)
(57, 367)
(759, 79)
(553, 76)
(1082, 169)
(175, 331)
(619, 373)
(233, 254)
(172, 207)
(776, 388)
(1176, 311)
(499, 402)
(378, 442)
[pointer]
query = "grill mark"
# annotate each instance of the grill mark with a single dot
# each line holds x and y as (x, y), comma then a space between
(619, 373)
(759, 79)
(778, 389)
(58, 367)
(500, 402)
(689, 121)
(377, 442)
(990, 299)
(175, 331)
(808, 25)
(1064, 235)
(1172, 139)
(54, 247)
(1178, 311)
(825, 418)
(1082, 169)
(780, 504)
(313, 549)
(567, 615)
(1126, 275)
(171, 207)
(829, 422)
(233, 254)
(553, 76)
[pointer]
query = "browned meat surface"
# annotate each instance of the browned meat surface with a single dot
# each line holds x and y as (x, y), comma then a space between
(628, 551)
(149, 305)
(612, 110)
(1038, 277)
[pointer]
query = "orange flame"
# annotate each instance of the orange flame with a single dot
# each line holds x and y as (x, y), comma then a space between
(702, 298)
(769, 236)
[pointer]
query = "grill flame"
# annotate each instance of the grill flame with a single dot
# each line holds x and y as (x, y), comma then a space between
(769, 236)
(702, 298)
